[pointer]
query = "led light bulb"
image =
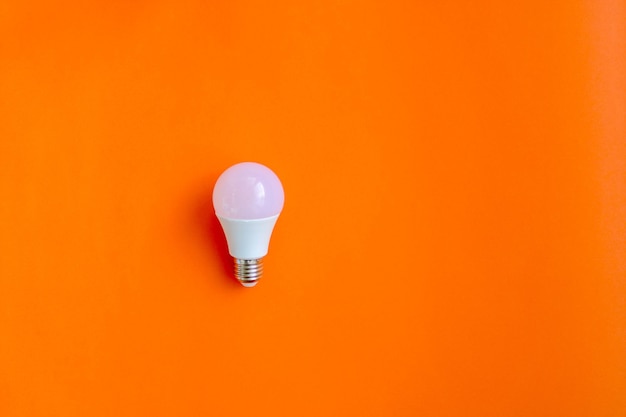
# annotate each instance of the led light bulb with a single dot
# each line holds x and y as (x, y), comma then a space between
(248, 197)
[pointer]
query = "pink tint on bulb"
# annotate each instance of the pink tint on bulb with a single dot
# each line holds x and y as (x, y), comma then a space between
(248, 191)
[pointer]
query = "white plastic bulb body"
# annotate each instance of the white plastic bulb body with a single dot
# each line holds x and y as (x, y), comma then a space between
(248, 198)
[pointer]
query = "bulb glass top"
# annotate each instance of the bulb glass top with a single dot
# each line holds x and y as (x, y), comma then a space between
(248, 191)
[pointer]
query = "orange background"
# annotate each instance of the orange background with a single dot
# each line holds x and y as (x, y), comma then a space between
(453, 239)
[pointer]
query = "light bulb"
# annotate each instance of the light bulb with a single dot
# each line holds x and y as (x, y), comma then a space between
(248, 197)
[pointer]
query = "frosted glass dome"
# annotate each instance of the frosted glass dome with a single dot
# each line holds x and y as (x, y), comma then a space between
(248, 191)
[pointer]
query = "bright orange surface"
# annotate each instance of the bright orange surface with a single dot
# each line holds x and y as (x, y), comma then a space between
(453, 239)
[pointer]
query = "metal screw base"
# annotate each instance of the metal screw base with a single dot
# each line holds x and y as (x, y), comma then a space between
(248, 271)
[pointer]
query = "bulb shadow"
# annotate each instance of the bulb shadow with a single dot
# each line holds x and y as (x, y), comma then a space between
(213, 237)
